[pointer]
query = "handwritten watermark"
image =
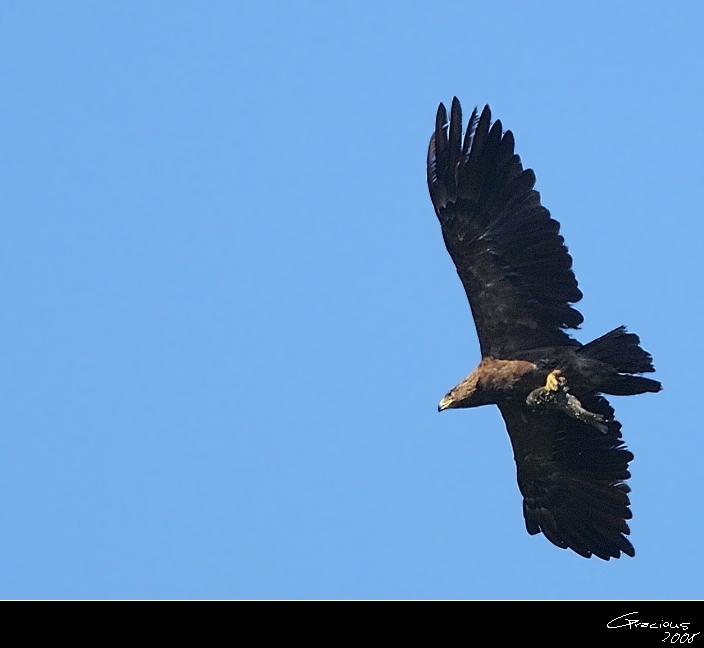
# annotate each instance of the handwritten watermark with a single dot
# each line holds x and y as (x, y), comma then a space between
(675, 631)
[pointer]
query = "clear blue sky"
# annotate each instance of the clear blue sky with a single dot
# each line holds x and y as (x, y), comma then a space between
(227, 314)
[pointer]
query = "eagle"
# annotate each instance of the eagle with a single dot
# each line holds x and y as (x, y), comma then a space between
(571, 462)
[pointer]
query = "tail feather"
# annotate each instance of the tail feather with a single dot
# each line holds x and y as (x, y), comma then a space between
(622, 351)
(631, 385)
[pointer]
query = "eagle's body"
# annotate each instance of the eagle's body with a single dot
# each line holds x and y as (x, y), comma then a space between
(518, 277)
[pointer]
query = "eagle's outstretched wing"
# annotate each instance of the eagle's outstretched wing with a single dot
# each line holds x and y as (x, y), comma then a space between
(572, 478)
(508, 252)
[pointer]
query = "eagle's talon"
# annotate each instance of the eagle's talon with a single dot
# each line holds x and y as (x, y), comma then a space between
(555, 380)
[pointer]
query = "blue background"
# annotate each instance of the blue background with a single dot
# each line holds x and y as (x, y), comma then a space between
(227, 314)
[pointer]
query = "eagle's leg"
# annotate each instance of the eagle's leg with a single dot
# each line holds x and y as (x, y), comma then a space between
(555, 395)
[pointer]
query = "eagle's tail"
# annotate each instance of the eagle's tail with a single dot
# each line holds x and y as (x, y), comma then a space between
(621, 350)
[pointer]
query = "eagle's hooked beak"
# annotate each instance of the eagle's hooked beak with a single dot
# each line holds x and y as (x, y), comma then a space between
(445, 403)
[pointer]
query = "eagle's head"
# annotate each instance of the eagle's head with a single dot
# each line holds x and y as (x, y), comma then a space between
(468, 393)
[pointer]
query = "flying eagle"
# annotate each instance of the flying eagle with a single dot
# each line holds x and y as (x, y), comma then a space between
(570, 458)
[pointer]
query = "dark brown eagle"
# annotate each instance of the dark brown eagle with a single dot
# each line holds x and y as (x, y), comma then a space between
(571, 461)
